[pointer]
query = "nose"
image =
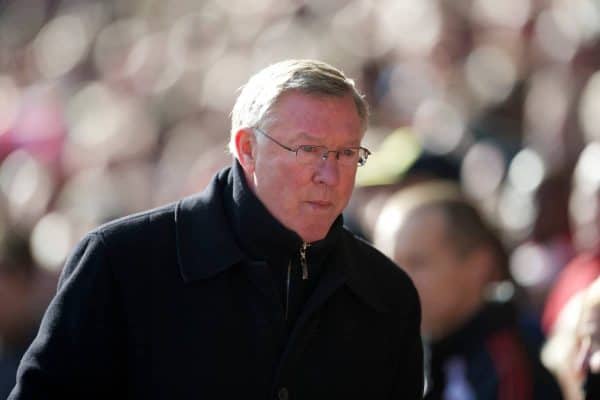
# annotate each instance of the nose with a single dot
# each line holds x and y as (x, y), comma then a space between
(327, 172)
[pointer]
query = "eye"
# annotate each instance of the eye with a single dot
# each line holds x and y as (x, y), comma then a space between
(307, 148)
(348, 152)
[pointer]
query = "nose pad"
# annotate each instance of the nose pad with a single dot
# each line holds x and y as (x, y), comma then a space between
(325, 155)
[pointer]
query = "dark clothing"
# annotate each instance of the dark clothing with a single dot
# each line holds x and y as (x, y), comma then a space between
(592, 387)
(262, 238)
(490, 358)
(9, 361)
(12, 349)
(188, 302)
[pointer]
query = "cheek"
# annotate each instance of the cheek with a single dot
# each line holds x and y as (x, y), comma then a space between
(290, 186)
(347, 181)
(343, 191)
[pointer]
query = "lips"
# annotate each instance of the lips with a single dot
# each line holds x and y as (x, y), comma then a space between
(320, 205)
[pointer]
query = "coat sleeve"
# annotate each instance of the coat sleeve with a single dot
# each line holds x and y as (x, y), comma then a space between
(76, 353)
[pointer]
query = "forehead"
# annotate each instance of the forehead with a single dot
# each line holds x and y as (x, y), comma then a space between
(300, 114)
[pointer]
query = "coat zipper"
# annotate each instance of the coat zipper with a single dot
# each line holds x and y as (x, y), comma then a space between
(288, 278)
(303, 261)
(287, 289)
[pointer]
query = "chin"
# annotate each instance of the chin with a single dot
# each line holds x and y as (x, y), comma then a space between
(314, 235)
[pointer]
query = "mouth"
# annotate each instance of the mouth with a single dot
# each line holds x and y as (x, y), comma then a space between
(319, 205)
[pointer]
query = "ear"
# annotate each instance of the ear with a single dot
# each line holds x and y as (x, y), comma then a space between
(245, 146)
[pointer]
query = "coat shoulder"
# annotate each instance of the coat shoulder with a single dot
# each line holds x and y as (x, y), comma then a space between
(139, 225)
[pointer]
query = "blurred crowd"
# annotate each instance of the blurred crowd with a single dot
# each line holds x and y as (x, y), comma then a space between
(112, 107)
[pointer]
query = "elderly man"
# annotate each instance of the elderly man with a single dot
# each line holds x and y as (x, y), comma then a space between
(252, 289)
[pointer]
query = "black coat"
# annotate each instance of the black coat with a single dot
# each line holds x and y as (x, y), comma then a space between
(166, 305)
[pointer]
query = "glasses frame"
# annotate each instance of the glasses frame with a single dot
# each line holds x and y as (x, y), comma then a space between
(324, 155)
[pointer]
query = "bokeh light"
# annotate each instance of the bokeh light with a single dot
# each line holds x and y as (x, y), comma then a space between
(547, 105)
(527, 266)
(439, 126)
(482, 170)
(516, 211)
(587, 171)
(589, 113)
(26, 185)
(509, 13)
(51, 241)
(526, 171)
(491, 73)
(60, 46)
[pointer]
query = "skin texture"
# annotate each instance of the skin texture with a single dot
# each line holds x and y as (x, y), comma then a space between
(450, 284)
(304, 198)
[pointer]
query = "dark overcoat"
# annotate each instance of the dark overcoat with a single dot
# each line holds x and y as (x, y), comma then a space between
(165, 305)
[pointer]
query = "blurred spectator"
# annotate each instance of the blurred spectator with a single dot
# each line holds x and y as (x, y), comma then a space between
(588, 339)
(570, 303)
(479, 347)
(24, 293)
(572, 351)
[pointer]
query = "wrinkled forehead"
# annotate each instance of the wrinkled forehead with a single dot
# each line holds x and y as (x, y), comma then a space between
(317, 97)
(310, 109)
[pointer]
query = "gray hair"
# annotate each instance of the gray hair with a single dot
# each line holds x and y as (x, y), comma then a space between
(260, 94)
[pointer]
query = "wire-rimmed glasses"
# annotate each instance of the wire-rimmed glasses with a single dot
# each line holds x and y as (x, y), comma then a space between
(312, 154)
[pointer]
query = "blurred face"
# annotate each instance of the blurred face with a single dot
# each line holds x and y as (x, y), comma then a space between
(305, 198)
(445, 285)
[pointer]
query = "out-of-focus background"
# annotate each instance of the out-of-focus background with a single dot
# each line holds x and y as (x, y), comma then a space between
(112, 107)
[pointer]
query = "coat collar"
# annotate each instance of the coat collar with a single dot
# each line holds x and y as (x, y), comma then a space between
(206, 245)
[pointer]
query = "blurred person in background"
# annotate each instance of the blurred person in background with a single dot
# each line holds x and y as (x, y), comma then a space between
(588, 342)
(251, 289)
(25, 291)
(572, 320)
(478, 346)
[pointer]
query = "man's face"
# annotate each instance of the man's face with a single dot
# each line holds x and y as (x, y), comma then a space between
(445, 287)
(306, 198)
